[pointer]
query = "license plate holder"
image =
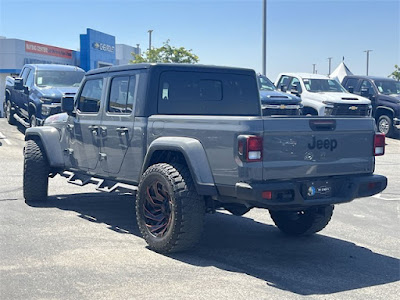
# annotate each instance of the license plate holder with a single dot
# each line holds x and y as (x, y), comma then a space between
(317, 189)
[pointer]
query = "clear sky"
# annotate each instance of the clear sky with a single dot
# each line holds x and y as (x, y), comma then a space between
(299, 33)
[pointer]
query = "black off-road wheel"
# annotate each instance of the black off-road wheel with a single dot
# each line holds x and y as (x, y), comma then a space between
(385, 125)
(169, 212)
(9, 112)
(36, 172)
(304, 222)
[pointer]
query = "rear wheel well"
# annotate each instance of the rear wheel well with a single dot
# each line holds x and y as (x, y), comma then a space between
(166, 156)
(171, 157)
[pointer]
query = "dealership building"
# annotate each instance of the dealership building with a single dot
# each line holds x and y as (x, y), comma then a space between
(97, 49)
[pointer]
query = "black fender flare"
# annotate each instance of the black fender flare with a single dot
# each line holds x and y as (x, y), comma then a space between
(195, 156)
(50, 138)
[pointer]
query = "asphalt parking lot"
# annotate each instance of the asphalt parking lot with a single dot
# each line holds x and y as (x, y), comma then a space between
(82, 244)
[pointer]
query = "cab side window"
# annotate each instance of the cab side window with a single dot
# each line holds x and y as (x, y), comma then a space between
(295, 84)
(122, 95)
(351, 82)
(29, 80)
(24, 75)
(367, 86)
(283, 83)
(90, 97)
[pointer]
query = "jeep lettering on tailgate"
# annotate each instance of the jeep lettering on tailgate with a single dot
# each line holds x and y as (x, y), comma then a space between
(326, 144)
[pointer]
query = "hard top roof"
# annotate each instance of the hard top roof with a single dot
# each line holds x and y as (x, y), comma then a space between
(55, 67)
(171, 66)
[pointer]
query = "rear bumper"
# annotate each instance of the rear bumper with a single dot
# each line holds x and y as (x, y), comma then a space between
(292, 194)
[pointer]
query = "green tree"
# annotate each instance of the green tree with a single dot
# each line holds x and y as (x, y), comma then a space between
(166, 54)
(396, 73)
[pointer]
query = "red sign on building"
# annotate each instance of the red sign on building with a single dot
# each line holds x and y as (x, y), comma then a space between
(47, 50)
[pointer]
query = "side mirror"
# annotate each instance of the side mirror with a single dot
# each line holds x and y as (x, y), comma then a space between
(283, 88)
(351, 89)
(68, 105)
(365, 92)
(18, 84)
(294, 90)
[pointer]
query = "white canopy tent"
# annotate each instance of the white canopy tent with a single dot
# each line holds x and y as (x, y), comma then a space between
(340, 72)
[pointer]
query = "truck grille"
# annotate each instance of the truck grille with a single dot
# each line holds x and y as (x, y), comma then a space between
(280, 112)
(350, 110)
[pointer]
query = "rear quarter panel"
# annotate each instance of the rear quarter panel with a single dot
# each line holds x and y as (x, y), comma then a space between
(218, 136)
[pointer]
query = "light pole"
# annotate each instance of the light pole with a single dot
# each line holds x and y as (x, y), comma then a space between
(264, 38)
(313, 68)
(137, 48)
(329, 59)
(150, 31)
(367, 51)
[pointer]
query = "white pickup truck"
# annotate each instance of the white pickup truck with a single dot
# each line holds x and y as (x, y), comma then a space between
(323, 96)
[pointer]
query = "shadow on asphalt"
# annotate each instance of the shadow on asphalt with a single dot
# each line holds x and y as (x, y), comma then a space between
(309, 265)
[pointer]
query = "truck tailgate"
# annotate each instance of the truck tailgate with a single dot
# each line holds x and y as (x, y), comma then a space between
(317, 147)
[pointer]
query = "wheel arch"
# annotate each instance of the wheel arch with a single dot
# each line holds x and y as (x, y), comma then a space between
(50, 139)
(383, 110)
(184, 150)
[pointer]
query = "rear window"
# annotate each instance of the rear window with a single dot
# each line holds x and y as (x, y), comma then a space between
(202, 93)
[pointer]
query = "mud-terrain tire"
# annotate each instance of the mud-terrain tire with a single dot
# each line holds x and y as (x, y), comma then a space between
(169, 212)
(304, 222)
(385, 125)
(36, 172)
(9, 113)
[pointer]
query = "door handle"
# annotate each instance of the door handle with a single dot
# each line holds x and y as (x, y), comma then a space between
(103, 130)
(94, 129)
(122, 130)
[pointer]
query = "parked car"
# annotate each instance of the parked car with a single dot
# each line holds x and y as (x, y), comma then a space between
(188, 139)
(323, 96)
(274, 102)
(36, 93)
(384, 94)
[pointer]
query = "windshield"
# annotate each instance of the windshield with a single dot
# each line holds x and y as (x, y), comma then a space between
(264, 84)
(59, 78)
(388, 87)
(323, 85)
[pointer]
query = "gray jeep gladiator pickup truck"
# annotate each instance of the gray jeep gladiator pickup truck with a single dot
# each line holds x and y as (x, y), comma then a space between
(190, 139)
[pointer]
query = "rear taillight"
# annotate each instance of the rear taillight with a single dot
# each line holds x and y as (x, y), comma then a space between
(250, 148)
(379, 144)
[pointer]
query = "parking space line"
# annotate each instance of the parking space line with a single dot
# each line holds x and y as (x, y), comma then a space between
(3, 137)
(379, 196)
